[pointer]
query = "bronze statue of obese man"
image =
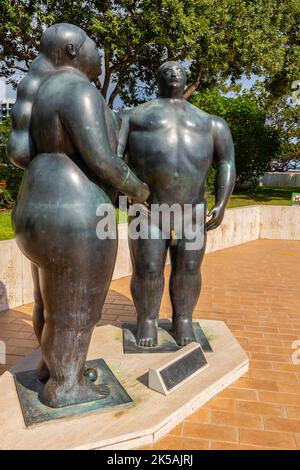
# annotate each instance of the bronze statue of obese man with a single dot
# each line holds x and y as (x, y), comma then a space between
(171, 145)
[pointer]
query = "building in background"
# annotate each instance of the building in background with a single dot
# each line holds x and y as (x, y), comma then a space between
(5, 103)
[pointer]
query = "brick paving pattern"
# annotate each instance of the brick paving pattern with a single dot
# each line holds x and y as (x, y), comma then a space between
(254, 288)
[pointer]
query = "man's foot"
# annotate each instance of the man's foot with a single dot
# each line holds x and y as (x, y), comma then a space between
(43, 372)
(146, 333)
(183, 331)
(57, 395)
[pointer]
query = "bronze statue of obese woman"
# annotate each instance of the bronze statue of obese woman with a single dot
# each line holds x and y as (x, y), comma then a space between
(65, 138)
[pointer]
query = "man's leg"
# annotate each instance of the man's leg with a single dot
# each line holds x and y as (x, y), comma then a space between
(185, 286)
(147, 284)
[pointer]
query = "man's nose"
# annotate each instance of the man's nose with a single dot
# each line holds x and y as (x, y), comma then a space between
(173, 73)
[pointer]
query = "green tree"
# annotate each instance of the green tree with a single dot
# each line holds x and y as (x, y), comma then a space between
(255, 142)
(282, 115)
(219, 39)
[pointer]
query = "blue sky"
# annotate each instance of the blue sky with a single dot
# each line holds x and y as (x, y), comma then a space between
(246, 83)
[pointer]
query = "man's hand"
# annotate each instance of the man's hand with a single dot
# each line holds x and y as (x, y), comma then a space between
(216, 214)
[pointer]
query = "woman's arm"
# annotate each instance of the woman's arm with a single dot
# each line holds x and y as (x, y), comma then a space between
(83, 115)
(20, 147)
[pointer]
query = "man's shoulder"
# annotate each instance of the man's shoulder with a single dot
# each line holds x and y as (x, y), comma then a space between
(148, 105)
(139, 111)
(215, 121)
(198, 111)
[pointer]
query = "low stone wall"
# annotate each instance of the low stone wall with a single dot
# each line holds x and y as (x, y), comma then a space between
(240, 225)
(278, 179)
(280, 222)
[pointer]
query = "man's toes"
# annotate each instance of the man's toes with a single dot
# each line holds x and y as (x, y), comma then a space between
(147, 342)
(184, 340)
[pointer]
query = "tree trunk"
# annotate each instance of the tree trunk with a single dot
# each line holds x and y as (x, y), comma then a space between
(107, 75)
(194, 86)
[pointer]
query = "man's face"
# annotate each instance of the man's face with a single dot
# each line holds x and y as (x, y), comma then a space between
(172, 78)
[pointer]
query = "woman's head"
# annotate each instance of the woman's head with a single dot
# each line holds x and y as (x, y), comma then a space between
(61, 45)
(68, 45)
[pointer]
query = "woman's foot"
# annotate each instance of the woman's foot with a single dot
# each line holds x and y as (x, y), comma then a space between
(57, 395)
(43, 372)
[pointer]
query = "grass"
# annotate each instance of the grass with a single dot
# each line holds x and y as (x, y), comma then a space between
(261, 195)
(6, 231)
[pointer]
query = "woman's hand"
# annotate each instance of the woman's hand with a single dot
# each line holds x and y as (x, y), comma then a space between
(141, 194)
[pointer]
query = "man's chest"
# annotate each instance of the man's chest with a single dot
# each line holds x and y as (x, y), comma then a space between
(170, 119)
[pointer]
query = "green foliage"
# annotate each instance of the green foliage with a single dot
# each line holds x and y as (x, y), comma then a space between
(282, 115)
(255, 142)
(210, 183)
(221, 39)
(8, 172)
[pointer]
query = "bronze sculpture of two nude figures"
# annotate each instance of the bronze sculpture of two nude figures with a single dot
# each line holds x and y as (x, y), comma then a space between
(72, 148)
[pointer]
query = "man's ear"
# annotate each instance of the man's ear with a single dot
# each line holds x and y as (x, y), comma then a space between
(71, 50)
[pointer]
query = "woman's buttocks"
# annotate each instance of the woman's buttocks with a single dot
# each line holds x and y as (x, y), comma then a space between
(57, 203)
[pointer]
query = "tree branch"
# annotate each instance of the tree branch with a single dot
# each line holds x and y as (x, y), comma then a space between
(18, 67)
(194, 86)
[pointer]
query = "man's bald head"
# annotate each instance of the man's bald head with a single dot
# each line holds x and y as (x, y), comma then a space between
(171, 79)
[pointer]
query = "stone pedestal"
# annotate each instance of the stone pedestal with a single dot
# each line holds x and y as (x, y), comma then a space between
(151, 415)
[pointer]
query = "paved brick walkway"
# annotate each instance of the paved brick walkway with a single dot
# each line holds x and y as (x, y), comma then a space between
(254, 288)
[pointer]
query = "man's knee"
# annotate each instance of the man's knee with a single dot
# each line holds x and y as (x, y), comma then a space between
(191, 266)
(151, 269)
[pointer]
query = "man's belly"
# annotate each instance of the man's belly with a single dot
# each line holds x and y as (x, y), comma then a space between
(175, 171)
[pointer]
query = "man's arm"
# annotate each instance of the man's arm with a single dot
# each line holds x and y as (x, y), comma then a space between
(226, 173)
(123, 133)
(84, 118)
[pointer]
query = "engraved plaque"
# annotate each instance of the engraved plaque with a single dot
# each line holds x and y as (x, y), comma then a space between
(184, 365)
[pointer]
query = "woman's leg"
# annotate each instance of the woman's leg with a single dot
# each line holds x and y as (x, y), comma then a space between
(74, 291)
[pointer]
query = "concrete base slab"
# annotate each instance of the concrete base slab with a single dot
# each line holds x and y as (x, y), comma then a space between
(151, 416)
